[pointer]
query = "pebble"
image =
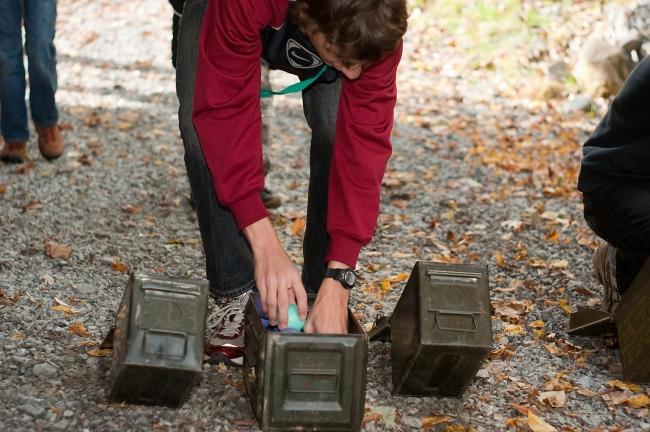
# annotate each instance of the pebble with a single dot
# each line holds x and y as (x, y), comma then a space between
(45, 370)
(32, 410)
(413, 422)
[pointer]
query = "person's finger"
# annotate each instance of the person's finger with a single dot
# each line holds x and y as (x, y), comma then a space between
(283, 304)
(272, 302)
(292, 296)
(301, 297)
(309, 327)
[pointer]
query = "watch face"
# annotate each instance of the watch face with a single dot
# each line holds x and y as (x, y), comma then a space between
(350, 277)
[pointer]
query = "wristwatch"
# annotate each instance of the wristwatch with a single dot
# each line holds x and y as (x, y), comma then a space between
(347, 277)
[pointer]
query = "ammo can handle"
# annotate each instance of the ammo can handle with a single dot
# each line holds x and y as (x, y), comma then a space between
(443, 327)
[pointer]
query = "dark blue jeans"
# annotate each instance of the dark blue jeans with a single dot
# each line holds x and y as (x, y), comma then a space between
(619, 213)
(229, 260)
(39, 18)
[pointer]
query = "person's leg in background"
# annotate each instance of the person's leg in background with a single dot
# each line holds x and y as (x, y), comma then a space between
(13, 111)
(269, 199)
(620, 214)
(320, 105)
(40, 28)
(229, 260)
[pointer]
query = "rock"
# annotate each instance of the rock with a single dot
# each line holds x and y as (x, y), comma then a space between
(578, 103)
(45, 370)
(602, 67)
(412, 422)
(32, 410)
(559, 70)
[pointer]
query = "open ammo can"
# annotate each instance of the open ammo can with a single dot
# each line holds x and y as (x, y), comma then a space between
(299, 381)
(158, 340)
(441, 329)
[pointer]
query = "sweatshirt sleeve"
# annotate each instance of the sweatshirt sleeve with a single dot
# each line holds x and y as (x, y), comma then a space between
(226, 111)
(361, 151)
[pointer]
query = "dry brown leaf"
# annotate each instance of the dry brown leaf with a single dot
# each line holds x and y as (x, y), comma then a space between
(614, 397)
(558, 264)
(246, 422)
(556, 398)
(65, 309)
(119, 266)
(57, 250)
(586, 392)
(79, 329)
(96, 352)
(132, 209)
(513, 329)
(3, 188)
(536, 424)
(385, 285)
(400, 277)
(500, 260)
(639, 401)
(372, 417)
(297, 226)
(537, 324)
(428, 422)
(456, 428)
(564, 305)
(624, 386)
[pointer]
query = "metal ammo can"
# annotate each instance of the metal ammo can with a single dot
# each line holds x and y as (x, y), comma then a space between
(299, 381)
(633, 327)
(158, 340)
(441, 329)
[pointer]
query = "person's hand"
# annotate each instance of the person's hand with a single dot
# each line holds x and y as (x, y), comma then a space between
(277, 279)
(329, 314)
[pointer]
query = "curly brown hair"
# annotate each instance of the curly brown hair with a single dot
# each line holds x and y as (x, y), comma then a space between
(359, 31)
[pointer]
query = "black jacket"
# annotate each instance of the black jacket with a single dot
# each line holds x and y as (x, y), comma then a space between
(620, 145)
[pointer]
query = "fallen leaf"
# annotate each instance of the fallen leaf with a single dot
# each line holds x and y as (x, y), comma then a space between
(96, 352)
(400, 277)
(385, 285)
(564, 305)
(65, 309)
(513, 329)
(3, 188)
(132, 209)
(536, 424)
(79, 329)
(537, 324)
(624, 386)
(246, 422)
(556, 399)
(119, 266)
(297, 226)
(428, 422)
(57, 250)
(558, 264)
(586, 392)
(639, 401)
(500, 260)
(372, 417)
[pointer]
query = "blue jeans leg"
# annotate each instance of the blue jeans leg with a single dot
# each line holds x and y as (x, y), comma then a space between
(13, 112)
(40, 24)
(229, 260)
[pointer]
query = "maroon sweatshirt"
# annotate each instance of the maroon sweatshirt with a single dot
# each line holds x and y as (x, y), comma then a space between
(228, 122)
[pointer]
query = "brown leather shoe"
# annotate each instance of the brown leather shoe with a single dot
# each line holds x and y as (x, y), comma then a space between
(14, 152)
(50, 141)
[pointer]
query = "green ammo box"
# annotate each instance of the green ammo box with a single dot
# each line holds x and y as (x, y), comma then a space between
(441, 330)
(299, 381)
(632, 320)
(158, 340)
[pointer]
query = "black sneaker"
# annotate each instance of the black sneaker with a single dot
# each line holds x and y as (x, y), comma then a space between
(224, 339)
(270, 200)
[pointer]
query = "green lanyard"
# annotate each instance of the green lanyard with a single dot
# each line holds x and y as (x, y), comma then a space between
(299, 86)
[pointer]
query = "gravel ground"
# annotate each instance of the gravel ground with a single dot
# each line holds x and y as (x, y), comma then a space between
(119, 199)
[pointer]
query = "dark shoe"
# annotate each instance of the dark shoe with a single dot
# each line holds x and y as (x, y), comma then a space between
(224, 340)
(270, 200)
(14, 152)
(50, 141)
(604, 261)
